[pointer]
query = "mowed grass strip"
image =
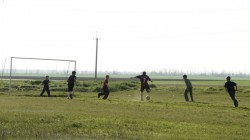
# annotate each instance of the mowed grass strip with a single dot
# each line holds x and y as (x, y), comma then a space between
(124, 116)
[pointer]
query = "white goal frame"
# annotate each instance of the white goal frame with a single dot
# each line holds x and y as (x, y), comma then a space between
(12, 58)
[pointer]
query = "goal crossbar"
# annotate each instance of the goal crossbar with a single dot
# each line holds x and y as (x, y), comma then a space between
(43, 59)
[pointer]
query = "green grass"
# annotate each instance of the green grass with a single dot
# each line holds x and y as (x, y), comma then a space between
(202, 82)
(25, 115)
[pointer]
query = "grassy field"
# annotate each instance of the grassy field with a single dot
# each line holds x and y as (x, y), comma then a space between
(25, 115)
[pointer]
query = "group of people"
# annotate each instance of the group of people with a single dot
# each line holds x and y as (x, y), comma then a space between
(144, 78)
(71, 83)
(230, 87)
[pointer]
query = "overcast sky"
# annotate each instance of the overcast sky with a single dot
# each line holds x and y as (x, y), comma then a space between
(136, 35)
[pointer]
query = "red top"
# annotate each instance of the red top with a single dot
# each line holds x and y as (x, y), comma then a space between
(105, 83)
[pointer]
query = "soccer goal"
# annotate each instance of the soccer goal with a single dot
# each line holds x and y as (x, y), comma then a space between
(35, 68)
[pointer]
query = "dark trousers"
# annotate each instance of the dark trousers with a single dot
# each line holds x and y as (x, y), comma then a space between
(145, 86)
(190, 90)
(70, 88)
(232, 95)
(105, 93)
(45, 89)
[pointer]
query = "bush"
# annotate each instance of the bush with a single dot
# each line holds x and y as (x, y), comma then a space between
(58, 89)
(84, 84)
(113, 89)
(77, 83)
(124, 87)
(4, 89)
(82, 89)
(152, 86)
(129, 84)
(36, 82)
(27, 87)
(97, 89)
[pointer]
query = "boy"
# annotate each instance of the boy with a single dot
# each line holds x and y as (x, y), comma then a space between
(231, 87)
(105, 88)
(189, 88)
(46, 86)
(144, 78)
(71, 83)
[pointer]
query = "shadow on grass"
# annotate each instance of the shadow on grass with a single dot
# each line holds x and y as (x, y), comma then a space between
(202, 102)
(244, 108)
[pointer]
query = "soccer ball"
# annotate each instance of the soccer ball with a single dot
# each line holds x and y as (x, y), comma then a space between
(148, 97)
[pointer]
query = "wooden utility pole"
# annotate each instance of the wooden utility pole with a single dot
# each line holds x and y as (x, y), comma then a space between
(96, 56)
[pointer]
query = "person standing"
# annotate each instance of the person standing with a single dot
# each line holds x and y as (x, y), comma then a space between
(105, 88)
(144, 78)
(189, 88)
(71, 83)
(231, 87)
(46, 86)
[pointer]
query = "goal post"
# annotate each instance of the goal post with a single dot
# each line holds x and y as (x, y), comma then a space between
(44, 59)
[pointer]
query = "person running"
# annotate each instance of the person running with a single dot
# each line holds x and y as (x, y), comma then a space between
(71, 83)
(189, 88)
(144, 78)
(46, 86)
(105, 88)
(231, 87)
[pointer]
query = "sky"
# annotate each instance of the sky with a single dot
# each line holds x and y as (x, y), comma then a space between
(135, 35)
